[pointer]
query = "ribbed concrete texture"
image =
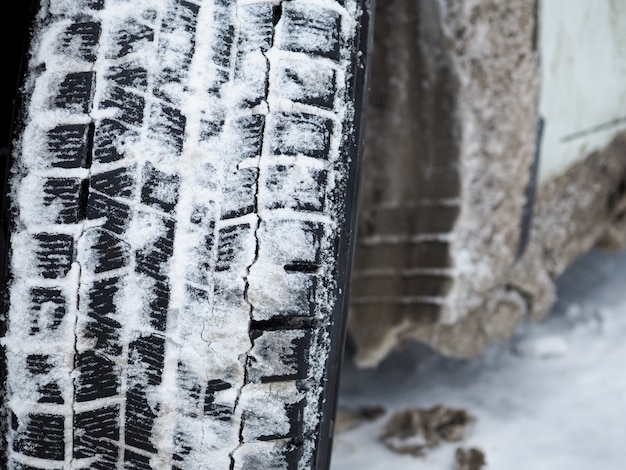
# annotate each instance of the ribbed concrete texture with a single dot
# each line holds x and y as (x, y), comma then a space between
(451, 142)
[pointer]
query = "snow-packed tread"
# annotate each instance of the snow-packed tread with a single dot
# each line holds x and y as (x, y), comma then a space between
(174, 247)
(68, 145)
(80, 40)
(75, 92)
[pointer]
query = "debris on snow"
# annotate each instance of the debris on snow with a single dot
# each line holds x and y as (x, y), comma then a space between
(470, 459)
(413, 431)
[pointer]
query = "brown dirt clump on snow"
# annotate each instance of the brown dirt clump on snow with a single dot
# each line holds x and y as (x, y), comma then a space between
(470, 459)
(413, 431)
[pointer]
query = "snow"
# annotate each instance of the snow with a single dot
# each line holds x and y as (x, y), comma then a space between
(553, 397)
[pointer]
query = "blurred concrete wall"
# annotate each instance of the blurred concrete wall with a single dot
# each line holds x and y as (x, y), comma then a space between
(450, 155)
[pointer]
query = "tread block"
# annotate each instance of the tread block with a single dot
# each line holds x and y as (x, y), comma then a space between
(110, 139)
(258, 33)
(47, 390)
(300, 134)
(116, 214)
(202, 216)
(183, 12)
(43, 437)
(92, 430)
(146, 357)
(251, 65)
(179, 20)
(50, 393)
(128, 76)
(168, 126)
(182, 446)
(189, 391)
(285, 455)
(212, 408)
(101, 295)
(75, 92)
(197, 302)
(309, 28)
(106, 333)
(220, 77)
(64, 196)
(47, 308)
(102, 456)
(19, 466)
(306, 82)
(104, 251)
(159, 303)
(159, 190)
(115, 183)
(152, 260)
(152, 263)
(147, 354)
(251, 73)
(130, 36)
(224, 39)
(231, 247)
(296, 297)
(64, 8)
(210, 128)
(135, 461)
(278, 355)
(216, 385)
(80, 40)
(275, 411)
(240, 188)
(68, 145)
(130, 105)
(296, 187)
(38, 364)
(139, 419)
(218, 411)
(54, 254)
(298, 251)
(249, 132)
(98, 377)
(101, 327)
(200, 263)
(70, 9)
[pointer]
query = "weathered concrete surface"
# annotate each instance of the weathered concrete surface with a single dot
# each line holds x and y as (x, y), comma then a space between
(412, 136)
(575, 211)
(450, 142)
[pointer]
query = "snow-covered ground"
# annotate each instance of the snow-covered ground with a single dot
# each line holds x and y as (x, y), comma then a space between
(553, 397)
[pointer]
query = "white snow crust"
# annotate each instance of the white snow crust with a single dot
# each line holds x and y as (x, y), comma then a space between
(552, 397)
